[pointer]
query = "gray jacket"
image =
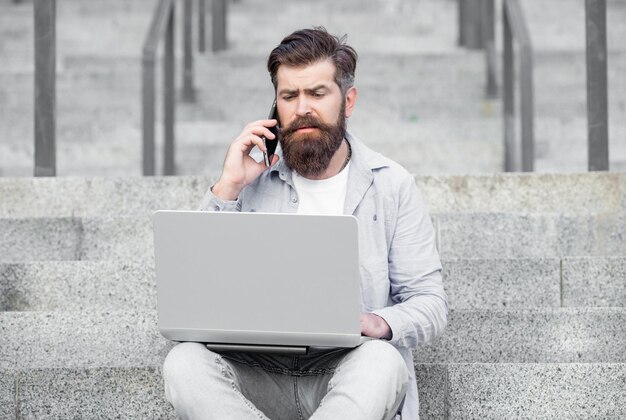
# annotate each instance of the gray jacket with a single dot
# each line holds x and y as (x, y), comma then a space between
(399, 264)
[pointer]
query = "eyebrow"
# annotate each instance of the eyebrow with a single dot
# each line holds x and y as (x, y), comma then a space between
(309, 90)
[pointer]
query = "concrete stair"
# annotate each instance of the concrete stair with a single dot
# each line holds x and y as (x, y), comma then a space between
(534, 265)
(537, 301)
(421, 97)
(481, 235)
(474, 390)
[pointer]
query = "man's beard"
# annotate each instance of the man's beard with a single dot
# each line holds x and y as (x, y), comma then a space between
(309, 154)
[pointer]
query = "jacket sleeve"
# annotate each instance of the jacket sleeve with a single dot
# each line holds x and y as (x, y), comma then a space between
(210, 202)
(419, 304)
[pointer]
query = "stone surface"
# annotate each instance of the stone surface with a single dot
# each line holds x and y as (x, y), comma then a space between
(423, 146)
(421, 103)
(7, 394)
(85, 339)
(432, 387)
(530, 235)
(93, 394)
(410, 70)
(113, 285)
(115, 238)
(594, 281)
(39, 239)
(130, 339)
(63, 197)
(138, 393)
(537, 391)
(502, 283)
(76, 286)
(479, 235)
(584, 193)
(569, 194)
(568, 335)
(542, 391)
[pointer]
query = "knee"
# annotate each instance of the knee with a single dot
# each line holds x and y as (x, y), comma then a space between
(180, 364)
(382, 355)
(182, 358)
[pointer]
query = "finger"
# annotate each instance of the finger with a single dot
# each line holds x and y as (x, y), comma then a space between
(269, 122)
(247, 143)
(260, 130)
(261, 123)
(275, 159)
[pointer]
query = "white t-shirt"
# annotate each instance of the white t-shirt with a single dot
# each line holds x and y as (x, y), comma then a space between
(324, 196)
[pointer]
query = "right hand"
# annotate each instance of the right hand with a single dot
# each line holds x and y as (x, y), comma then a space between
(239, 168)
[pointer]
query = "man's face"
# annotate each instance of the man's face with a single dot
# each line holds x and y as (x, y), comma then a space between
(312, 114)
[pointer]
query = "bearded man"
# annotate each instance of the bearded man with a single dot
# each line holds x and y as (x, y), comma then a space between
(323, 170)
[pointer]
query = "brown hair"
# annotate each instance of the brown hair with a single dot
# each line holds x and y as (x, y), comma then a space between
(308, 46)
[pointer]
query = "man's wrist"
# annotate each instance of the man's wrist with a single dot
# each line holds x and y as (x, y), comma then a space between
(225, 192)
(384, 328)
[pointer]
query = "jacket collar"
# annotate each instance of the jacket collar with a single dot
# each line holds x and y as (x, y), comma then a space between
(362, 164)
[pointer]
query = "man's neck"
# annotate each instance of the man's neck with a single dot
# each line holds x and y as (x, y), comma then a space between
(337, 163)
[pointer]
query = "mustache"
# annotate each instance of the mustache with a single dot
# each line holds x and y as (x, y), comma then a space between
(302, 122)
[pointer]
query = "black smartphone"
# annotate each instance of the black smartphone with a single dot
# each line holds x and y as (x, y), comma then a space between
(271, 144)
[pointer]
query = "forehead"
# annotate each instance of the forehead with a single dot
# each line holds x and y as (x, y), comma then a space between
(318, 73)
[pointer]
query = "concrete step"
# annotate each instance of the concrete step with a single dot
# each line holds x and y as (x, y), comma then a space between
(455, 79)
(594, 282)
(88, 146)
(431, 28)
(580, 335)
(421, 146)
(72, 196)
(99, 393)
(535, 283)
(469, 283)
(561, 144)
(560, 25)
(401, 24)
(99, 114)
(490, 235)
(513, 390)
(392, 85)
(504, 283)
(113, 28)
(77, 286)
(41, 239)
(538, 391)
(568, 194)
(98, 142)
(82, 339)
(481, 390)
(90, 339)
(481, 235)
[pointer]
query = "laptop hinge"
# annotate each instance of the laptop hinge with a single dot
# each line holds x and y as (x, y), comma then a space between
(256, 348)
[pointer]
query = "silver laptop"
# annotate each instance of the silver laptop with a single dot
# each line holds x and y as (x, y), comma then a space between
(258, 281)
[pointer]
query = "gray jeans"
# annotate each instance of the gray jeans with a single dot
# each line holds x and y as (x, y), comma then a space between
(368, 382)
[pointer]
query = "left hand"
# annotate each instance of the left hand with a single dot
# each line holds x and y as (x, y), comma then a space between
(374, 326)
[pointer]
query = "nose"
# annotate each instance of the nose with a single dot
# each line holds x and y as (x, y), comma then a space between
(303, 107)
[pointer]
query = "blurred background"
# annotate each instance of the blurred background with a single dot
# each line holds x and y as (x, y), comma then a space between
(102, 92)
(422, 77)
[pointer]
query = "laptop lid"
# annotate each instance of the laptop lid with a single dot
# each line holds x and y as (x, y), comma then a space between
(257, 279)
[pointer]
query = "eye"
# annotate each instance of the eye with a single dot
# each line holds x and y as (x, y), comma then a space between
(288, 97)
(317, 94)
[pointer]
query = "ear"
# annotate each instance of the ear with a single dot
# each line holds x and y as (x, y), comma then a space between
(351, 96)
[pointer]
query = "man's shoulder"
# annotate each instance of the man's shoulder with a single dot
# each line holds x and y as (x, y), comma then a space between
(383, 168)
